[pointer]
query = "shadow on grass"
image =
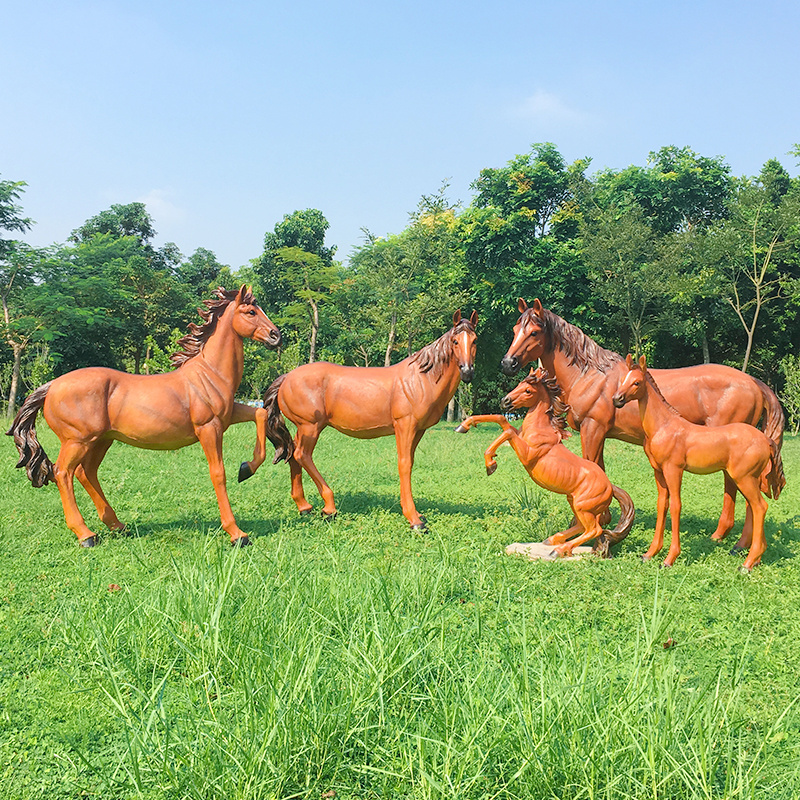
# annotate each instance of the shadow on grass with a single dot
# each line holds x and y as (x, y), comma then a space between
(696, 539)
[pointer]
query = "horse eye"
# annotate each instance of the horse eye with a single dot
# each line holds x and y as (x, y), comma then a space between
(252, 312)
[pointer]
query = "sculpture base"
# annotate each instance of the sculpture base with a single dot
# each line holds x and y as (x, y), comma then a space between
(546, 552)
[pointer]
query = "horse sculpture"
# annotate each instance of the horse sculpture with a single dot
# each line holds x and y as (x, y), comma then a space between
(675, 445)
(89, 409)
(707, 394)
(367, 402)
(555, 468)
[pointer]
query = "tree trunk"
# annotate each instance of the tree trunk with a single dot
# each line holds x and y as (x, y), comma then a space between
(387, 361)
(12, 392)
(451, 409)
(706, 352)
(312, 350)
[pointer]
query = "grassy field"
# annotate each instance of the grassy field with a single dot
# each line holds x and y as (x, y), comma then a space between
(361, 659)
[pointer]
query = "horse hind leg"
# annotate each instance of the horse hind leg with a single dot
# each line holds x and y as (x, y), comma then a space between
(726, 518)
(71, 455)
(591, 527)
(751, 490)
(86, 472)
(305, 442)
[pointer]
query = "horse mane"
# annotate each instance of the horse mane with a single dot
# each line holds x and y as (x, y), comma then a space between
(651, 382)
(193, 342)
(435, 356)
(557, 412)
(579, 348)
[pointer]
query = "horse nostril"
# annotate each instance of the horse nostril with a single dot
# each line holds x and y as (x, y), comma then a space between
(509, 365)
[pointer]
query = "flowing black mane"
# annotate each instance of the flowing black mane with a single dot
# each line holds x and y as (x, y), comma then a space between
(192, 343)
(579, 348)
(434, 357)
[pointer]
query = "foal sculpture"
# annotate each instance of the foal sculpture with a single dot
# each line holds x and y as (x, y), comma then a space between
(91, 408)
(367, 402)
(556, 468)
(674, 445)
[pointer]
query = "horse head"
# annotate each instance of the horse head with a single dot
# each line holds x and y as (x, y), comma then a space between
(633, 385)
(528, 392)
(464, 344)
(250, 322)
(529, 338)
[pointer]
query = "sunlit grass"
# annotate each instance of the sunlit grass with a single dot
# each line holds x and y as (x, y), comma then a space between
(361, 658)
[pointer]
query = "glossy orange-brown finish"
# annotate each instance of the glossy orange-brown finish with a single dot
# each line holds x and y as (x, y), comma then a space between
(89, 409)
(674, 446)
(589, 375)
(367, 402)
(538, 445)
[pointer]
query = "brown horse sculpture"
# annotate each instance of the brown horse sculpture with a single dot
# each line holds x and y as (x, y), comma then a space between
(707, 394)
(675, 445)
(556, 468)
(89, 409)
(367, 402)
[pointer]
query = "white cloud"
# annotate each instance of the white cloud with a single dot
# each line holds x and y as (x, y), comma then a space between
(161, 208)
(544, 107)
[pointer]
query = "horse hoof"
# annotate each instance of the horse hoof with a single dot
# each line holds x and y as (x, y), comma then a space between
(420, 527)
(328, 517)
(735, 551)
(746, 570)
(665, 565)
(491, 469)
(461, 429)
(242, 541)
(89, 541)
(244, 471)
(305, 512)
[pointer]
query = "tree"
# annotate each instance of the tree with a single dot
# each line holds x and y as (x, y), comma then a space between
(200, 273)
(118, 221)
(678, 190)
(14, 265)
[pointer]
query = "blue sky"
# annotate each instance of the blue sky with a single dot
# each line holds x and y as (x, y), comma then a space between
(223, 117)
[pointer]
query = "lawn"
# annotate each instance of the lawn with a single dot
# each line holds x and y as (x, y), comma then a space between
(361, 659)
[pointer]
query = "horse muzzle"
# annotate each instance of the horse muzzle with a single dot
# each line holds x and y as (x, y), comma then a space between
(506, 404)
(467, 373)
(272, 339)
(510, 365)
(618, 400)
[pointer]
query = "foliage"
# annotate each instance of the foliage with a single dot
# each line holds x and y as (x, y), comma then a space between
(790, 397)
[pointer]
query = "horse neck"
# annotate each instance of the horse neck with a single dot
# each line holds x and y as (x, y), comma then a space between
(653, 410)
(536, 420)
(224, 352)
(558, 364)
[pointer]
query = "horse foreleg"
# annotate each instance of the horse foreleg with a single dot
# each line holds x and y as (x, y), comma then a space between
(70, 456)
(674, 478)
(726, 517)
(210, 438)
(471, 422)
(245, 413)
(407, 437)
(661, 517)
(491, 451)
(86, 473)
(304, 444)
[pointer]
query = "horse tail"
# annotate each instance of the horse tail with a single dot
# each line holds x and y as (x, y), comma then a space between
(775, 479)
(31, 453)
(277, 432)
(627, 514)
(774, 420)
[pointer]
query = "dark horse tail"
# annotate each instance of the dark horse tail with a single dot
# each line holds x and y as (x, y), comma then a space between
(775, 479)
(626, 516)
(31, 454)
(277, 432)
(772, 425)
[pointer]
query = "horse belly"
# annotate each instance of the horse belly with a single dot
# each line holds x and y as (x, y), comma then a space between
(362, 408)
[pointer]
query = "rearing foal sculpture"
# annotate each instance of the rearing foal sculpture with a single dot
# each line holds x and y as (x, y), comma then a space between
(589, 375)
(91, 408)
(367, 402)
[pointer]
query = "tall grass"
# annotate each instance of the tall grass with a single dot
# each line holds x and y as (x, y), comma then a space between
(359, 658)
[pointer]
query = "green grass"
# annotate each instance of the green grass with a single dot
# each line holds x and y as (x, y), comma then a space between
(361, 658)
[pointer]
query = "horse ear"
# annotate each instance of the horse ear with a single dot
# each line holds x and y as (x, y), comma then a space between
(473, 319)
(522, 305)
(629, 361)
(537, 306)
(241, 293)
(456, 317)
(642, 363)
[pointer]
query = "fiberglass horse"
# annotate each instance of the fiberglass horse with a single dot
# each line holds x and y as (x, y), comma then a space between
(555, 468)
(91, 408)
(367, 402)
(589, 375)
(674, 445)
